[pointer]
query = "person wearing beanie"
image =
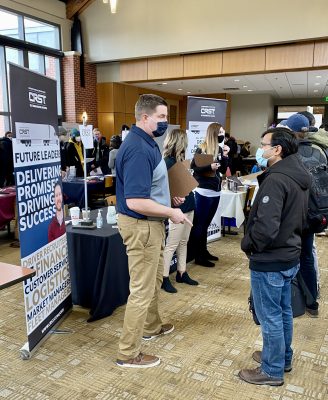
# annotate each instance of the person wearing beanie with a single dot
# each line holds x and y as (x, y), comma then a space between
(75, 152)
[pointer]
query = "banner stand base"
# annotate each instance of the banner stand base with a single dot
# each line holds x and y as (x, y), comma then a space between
(26, 353)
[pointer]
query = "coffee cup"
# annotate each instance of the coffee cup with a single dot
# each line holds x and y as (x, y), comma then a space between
(75, 215)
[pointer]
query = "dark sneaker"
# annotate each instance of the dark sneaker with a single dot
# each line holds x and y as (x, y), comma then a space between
(165, 330)
(141, 361)
(210, 256)
(185, 278)
(258, 377)
(167, 285)
(204, 263)
(313, 310)
(257, 356)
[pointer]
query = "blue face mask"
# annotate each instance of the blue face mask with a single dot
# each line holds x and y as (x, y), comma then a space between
(161, 128)
(263, 162)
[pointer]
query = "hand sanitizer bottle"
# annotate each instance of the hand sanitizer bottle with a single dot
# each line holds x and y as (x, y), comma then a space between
(99, 220)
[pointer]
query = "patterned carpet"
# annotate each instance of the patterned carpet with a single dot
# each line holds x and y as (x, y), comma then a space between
(214, 338)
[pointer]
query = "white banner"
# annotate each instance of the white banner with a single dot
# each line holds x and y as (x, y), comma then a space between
(86, 136)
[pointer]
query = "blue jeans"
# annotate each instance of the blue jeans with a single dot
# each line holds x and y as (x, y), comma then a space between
(205, 209)
(272, 302)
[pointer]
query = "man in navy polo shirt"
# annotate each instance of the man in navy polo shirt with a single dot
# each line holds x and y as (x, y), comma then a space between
(143, 202)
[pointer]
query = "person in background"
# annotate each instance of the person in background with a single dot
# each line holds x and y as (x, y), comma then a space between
(115, 143)
(319, 139)
(124, 131)
(99, 153)
(309, 155)
(62, 135)
(245, 150)
(57, 225)
(207, 194)
(6, 160)
(272, 243)
(75, 152)
(175, 145)
(256, 168)
(231, 142)
(143, 203)
(311, 120)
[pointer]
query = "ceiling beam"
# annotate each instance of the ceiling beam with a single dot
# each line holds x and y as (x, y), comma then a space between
(76, 7)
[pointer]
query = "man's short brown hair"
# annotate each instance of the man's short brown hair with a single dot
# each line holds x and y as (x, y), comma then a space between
(147, 104)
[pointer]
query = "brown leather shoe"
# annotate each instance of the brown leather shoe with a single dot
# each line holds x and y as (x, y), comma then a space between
(257, 356)
(166, 329)
(141, 361)
(258, 377)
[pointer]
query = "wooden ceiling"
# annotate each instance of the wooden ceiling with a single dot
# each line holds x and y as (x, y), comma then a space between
(76, 7)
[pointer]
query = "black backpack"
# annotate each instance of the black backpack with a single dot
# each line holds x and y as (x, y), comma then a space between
(316, 165)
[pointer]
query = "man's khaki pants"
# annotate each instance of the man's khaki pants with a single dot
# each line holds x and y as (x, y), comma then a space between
(144, 242)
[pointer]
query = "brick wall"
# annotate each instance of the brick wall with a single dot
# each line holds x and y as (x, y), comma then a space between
(76, 98)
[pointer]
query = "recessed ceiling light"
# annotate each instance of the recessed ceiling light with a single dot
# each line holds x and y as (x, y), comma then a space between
(179, 89)
(249, 90)
(164, 83)
(236, 80)
(188, 92)
(245, 86)
(318, 76)
(316, 90)
(317, 84)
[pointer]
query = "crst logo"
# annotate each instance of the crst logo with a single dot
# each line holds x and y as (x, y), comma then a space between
(207, 111)
(23, 131)
(37, 98)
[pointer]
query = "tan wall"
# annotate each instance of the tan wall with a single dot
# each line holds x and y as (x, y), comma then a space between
(116, 103)
(146, 28)
(284, 57)
(251, 115)
(48, 10)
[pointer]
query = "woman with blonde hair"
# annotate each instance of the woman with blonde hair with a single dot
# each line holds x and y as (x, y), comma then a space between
(207, 194)
(175, 145)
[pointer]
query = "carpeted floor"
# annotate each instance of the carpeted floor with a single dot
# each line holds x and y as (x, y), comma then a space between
(214, 338)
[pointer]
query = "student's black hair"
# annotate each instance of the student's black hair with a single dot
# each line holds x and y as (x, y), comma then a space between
(285, 138)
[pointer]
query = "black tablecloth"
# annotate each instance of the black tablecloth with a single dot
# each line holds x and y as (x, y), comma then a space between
(74, 190)
(99, 268)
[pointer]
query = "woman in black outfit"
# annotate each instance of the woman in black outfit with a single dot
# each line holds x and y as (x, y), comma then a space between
(207, 194)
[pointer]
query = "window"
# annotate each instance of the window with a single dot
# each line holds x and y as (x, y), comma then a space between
(33, 44)
(36, 62)
(10, 25)
(41, 33)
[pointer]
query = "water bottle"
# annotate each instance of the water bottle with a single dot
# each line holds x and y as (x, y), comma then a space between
(99, 220)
